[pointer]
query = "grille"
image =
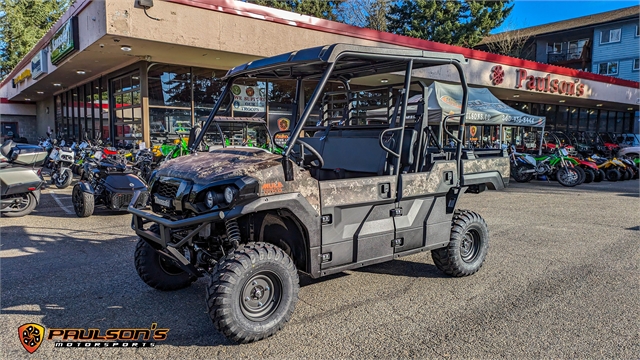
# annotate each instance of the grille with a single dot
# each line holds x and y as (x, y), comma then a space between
(120, 200)
(167, 190)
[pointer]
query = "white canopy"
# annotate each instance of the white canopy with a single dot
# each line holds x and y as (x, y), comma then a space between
(483, 108)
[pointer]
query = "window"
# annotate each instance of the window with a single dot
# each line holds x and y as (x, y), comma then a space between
(637, 30)
(575, 48)
(554, 48)
(610, 36)
(636, 64)
(608, 68)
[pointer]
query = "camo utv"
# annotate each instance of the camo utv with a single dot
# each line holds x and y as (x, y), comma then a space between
(348, 191)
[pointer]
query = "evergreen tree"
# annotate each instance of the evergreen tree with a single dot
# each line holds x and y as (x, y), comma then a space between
(454, 22)
(323, 9)
(22, 24)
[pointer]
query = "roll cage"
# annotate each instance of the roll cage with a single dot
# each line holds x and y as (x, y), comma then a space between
(343, 63)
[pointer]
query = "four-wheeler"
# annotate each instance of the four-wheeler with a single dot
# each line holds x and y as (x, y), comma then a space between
(20, 185)
(343, 195)
(107, 181)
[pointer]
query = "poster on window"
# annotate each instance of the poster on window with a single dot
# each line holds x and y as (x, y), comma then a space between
(248, 98)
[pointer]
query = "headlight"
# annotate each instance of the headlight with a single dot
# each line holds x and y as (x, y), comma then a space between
(229, 194)
(209, 201)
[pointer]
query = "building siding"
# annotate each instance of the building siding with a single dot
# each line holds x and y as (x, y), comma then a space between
(624, 52)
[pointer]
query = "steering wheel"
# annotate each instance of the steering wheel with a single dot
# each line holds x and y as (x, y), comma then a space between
(316, 156)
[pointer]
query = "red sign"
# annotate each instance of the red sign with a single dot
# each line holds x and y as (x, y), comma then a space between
(548, 85)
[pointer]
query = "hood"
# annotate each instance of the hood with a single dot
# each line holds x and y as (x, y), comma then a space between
(206, 167)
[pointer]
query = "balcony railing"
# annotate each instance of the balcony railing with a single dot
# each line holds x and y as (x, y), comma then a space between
(568, 56)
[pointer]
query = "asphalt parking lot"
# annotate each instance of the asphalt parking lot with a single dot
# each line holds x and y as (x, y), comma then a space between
(561, 281)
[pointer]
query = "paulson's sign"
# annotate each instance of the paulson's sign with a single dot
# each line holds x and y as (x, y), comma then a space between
(548, 84)
(64, 41)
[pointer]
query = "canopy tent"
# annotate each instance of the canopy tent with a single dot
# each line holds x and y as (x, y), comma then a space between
(483, 108)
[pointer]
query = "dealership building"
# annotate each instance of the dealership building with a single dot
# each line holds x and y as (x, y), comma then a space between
(113, 69)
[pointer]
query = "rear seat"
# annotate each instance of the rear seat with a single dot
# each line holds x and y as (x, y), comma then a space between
(357, 153)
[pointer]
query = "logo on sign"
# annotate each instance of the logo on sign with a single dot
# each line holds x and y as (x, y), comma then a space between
(64, 41)
(497, 75)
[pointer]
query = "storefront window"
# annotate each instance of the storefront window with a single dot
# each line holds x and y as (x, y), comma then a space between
(126, 111)
(169, 85)
(550, 114)
(612, 124)
(206, 90)
(164, 122)
(561, 118)
(572, 124)
(602, 120)
(583, 119)
(593, 119)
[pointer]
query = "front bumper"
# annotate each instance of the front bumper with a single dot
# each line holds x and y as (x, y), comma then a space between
(166, 226)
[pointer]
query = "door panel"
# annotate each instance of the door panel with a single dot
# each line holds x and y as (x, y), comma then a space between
(358, 225)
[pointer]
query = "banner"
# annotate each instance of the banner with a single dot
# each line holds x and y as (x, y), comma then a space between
(248, 98)
(65, 41)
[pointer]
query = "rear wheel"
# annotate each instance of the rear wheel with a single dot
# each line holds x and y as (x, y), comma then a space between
(613, 175)
(600, 175)
(83, 203)
(467, 248)
(520, 175)
(627, 174)
(582, 174)
(23, 205)
(253, 292)
(590, 175)
(158, 271)
(568, 177)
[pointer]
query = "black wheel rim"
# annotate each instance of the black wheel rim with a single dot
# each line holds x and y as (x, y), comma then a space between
(169, 267)
(22, 204)
(62, 178)
(260, 296)
(470, 246)
(78, 201)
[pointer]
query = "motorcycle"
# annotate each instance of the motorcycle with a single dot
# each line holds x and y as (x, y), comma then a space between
(62, 158)
(107, 181)
(20, 186)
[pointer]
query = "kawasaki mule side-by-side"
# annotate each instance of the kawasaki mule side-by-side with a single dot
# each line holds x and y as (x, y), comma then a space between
(345, 193)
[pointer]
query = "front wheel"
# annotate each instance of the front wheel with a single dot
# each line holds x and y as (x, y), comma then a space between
(64, 179)
(158, 271)
(253, 292)
(468, 245)
(23, 205)
(600, 175)
(568, 176)
(83, 203)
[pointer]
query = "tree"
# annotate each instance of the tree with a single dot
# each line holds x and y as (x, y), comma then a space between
(22, 24)
(462, 23)
(511, 43)
(323, 9)
(370, 14)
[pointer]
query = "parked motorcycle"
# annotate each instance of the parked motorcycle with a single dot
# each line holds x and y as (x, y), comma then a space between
(19, 185)
(107, 181)
(62, 158)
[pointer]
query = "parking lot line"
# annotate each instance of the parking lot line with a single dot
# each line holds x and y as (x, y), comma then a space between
(66, 209)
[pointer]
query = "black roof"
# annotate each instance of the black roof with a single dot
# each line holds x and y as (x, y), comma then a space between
(363, 60)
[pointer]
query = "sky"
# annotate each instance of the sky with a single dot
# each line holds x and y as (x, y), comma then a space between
(528, 13)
